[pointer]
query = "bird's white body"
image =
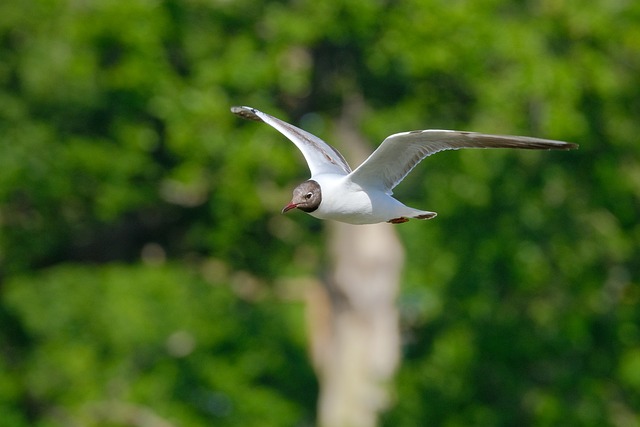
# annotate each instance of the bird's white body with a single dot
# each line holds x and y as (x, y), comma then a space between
(363, 196)
(359, 206)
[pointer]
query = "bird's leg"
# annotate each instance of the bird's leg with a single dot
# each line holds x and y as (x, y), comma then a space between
(426, 216)
(398, 220)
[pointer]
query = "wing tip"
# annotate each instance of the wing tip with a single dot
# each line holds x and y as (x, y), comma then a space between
(535, 143)
(554, 145)
(248, 113)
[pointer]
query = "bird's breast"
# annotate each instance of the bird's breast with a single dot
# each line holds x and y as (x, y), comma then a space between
(344, 201)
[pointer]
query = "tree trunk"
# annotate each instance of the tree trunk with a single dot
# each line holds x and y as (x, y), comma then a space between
(355, 338)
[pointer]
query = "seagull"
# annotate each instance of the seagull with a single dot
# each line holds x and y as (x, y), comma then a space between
(364, 195)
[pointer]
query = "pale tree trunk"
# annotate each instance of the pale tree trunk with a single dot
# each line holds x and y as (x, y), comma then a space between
(355, 338)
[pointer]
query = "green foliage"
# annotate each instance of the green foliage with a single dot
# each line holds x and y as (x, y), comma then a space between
(164, 339)
(142, 251)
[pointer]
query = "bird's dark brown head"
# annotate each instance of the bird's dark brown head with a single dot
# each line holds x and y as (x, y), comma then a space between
(306, 197)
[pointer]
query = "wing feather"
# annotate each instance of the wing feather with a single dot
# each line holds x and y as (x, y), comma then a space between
(400, 153)
(320, 156)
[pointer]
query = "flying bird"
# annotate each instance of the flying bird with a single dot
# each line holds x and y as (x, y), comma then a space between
(364, 195)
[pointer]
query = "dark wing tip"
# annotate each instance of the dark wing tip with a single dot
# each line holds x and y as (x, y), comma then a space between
(556, 145)
(540, 144)
(530, 143)
(246, 113)
(561, 145)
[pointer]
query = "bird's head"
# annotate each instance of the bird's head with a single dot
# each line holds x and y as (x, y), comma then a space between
(306, 197)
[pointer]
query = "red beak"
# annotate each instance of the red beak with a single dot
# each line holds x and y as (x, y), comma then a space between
(290, 206)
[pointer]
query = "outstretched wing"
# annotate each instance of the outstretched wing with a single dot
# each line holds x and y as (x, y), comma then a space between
(401, 152)
(320, 156)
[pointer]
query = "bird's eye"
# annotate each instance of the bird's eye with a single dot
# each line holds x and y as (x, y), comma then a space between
(308, 196)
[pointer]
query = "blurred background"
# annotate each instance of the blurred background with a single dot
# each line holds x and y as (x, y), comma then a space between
(147, 277)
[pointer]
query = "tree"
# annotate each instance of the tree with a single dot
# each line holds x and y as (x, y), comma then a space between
(144, 265)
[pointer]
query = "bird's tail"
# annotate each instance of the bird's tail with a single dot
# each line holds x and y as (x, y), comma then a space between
(425, 215)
